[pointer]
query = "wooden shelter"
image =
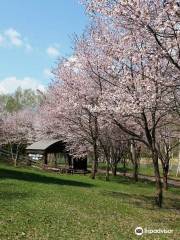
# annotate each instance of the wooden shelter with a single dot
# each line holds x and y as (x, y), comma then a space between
(41, 149)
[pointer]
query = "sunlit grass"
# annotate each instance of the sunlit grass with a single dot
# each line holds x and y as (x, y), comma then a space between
(38, 205)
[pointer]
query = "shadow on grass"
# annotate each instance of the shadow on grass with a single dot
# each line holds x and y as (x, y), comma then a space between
(35, 177)
(143, 201)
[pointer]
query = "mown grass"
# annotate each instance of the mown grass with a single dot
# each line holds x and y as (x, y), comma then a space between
(39, 205)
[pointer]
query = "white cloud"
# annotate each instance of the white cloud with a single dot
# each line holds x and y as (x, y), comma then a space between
(28, 48)
(1, 39)
(47, 73)
(10, 84)
(14, 37)
(52, 51)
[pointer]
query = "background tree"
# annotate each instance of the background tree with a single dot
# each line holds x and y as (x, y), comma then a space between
(21, 99)
(17, 132)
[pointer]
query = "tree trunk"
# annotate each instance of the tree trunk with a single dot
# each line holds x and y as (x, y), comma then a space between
(17, 154)
(135, 173)
(114, 169)
(94, 169)
(159, 189)
(95, 161)
(16, 159)
(124, 166)
(165, 177)
(15, 162)
(134, 161)
(107, 170)
(165, 166)
(12, 156)
(95, 148)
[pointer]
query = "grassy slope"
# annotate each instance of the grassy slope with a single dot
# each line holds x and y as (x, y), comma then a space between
(40, 206)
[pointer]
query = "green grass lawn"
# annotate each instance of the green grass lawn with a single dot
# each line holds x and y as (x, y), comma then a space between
(35, 205)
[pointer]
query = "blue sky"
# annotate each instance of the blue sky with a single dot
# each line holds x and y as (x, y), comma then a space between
(33, 34)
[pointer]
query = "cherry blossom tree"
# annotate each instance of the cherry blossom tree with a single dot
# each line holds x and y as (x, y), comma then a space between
(16, 131)
(70, 106)
(156, 21)
(137, 84)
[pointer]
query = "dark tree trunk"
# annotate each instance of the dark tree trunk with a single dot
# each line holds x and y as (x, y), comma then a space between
(107, 169)
(114, 169)
(124, 166)
(17, 157)
(165, 166)
(159, 189)
(165, 177)
(135, 173)
(95, 148)
(95, 161)
(165, 182)
(134, 158)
